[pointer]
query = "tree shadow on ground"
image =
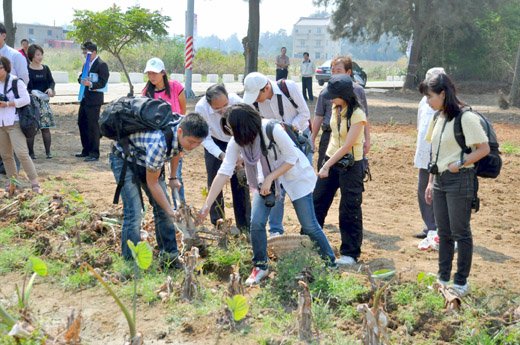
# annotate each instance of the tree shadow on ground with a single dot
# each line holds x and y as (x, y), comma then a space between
(491, 255)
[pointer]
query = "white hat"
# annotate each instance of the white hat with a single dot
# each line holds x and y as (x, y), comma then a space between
(253, 83)
(154, 65)
(434, 71)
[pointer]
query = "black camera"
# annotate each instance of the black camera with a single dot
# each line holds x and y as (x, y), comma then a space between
(346, 162)
(433, 168)
(269, 199)
(3, 98)
(475, 204)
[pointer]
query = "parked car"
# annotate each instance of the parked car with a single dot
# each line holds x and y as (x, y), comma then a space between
(323, 73)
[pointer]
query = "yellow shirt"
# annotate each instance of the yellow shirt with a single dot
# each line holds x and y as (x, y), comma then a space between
(449, 150)
(337, 138)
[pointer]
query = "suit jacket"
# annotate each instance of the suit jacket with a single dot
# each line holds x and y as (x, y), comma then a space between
(93, 97)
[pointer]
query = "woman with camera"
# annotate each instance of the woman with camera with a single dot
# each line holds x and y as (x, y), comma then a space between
(266, 170)
(452, 181)
(11, 136)
(343, 167)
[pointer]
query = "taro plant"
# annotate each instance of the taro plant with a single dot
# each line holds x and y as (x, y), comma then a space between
(143, 256)
(238, 307)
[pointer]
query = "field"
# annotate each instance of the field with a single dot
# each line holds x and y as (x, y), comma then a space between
(390, 215)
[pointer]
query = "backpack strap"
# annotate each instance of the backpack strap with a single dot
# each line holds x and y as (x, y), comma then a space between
(459, 133)
(285, 90)
(269, 131)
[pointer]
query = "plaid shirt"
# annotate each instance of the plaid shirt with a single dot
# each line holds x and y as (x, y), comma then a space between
(150, 148)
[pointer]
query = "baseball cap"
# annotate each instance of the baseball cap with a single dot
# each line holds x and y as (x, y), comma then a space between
(434, 71)
(253, 83)
(154, 65)
(339, 86)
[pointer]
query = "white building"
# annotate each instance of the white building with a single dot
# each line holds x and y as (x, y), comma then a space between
(311, 35)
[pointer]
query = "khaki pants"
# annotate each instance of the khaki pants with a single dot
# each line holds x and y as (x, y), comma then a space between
(12, 139)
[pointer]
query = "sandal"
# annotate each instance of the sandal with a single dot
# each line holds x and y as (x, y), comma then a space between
(36, 188)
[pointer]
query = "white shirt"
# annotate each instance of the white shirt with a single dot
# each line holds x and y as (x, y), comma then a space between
(18, 63)
(307, 68)
(213, 119)
(297, 182)
(8, 115)
(424, 117)
(299, 118)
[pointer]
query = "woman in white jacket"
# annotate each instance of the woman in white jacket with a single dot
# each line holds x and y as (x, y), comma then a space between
(266, 170)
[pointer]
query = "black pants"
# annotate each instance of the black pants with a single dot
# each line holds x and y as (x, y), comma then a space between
(88, 123)
(307, 88)
(324, 143)
(350, 183)
(452, 198)
(281, 73)
(240, 193)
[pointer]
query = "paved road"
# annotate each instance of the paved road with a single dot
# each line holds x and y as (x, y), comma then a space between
(68, 93)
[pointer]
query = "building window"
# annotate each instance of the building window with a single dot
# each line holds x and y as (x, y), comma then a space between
(296, 31)
(318, 44)
(31, 31)
(302, 43)
(317, 55)
(310, 31)
(49, 32)
(318, 30)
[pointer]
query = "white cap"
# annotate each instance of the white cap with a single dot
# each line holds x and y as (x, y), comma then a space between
(253, 83)
(154, 65)
(434, 71)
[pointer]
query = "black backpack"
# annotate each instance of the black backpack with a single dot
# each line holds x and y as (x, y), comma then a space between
(29, 115)
(128, 115)
(490, 165)
(300, 140)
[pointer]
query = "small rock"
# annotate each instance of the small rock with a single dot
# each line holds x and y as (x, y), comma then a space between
(498, 237)
(161, 335)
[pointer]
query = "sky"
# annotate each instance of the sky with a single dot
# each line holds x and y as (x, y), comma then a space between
(214, 17)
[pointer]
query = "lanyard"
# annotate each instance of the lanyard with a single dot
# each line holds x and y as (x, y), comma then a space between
(440, 138)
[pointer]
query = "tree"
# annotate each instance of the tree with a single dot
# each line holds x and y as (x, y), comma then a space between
(113, 30)
(514, 96)
(8, 22)
(251, 41)
(406, 19)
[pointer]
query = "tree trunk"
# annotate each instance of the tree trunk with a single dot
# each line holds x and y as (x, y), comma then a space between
(131, 93)
(8, 22)
(514, 96)
(419, 14)
(251, 42)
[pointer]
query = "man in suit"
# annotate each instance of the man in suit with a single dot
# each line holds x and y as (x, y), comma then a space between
(90, 105)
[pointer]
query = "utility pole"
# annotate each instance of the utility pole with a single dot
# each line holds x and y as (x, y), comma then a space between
(188, 49)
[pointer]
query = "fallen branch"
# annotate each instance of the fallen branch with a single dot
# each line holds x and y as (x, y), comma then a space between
(304, 312)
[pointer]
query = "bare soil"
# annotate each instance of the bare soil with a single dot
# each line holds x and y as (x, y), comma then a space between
(390, 215)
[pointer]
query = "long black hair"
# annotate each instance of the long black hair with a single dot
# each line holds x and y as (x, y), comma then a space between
(245, 123)
(150, 88)
(442, 82)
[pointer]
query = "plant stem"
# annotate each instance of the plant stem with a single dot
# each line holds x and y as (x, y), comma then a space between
(7, 319)
(129, 319)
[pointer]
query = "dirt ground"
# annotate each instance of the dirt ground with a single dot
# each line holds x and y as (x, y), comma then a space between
(390, 210)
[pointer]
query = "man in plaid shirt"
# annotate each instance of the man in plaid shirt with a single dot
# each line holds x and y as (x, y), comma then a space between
(150, 151)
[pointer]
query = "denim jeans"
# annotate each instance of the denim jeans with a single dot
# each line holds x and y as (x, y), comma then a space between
(452, 197)
(132, 212)
(178, 173)
(350, 183)
(426, 210)
(304, 211)
(276, 215)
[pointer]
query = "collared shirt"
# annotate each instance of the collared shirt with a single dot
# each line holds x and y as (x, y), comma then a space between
(8, 115)
(307, 68)
(297, 181)
(213, 119)
(18, 63)
(299, 118)
(150, 148)
(282, 60)
(423, 151)
(92, 62)
(338, 136)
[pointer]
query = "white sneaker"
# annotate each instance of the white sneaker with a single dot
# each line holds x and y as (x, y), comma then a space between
(275, 234)
(346, 260)
(460, 290)
(443, 283)
(256, 276)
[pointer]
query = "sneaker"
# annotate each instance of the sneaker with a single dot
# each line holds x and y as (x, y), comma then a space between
(443, 283)
(274, 234)
(421, 235)
(256, 276)
(346, 260)
(460, 290)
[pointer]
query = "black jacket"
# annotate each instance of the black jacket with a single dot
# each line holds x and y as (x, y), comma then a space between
(93, 97)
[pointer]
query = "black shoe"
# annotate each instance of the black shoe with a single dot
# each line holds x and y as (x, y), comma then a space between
(420, 235)
(33, 157)
(91, 159)
(80, 155)
(170, 261)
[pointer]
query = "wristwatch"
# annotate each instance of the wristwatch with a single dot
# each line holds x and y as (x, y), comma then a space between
(460, 163)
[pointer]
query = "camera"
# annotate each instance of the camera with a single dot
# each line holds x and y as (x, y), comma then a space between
(475, 204)
(3, 98)
(346, 162)
(433, 168)
(269, 199)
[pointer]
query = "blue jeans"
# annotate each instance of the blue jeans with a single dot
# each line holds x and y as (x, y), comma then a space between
(304, 208)
(178, 173)
(132, 211)
(276, 215)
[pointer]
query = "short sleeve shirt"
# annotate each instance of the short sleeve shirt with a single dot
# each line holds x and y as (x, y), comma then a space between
(338, 137)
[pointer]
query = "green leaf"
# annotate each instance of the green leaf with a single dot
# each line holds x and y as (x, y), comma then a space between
(38, 266)
(238, 306)
(420, 277)
(142, 254)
